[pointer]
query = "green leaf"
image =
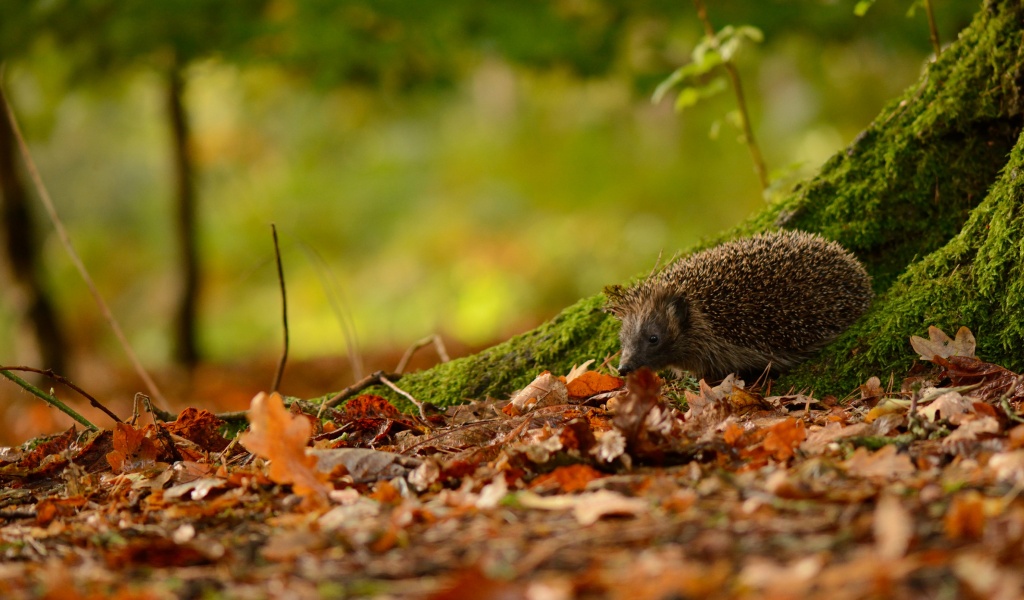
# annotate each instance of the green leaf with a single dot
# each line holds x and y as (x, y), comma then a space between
(691, 95)
(667, 84)
(687, 97)
(861, 8)
(912, 10)
(715, 129)
(685, 73)
(751, 33)
(731, 39)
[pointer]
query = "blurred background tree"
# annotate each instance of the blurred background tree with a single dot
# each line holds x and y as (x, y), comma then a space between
(457, 167)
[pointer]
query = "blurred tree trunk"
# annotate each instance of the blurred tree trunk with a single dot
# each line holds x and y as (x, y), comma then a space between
(22, 251)
(930, 196)
(186, 350)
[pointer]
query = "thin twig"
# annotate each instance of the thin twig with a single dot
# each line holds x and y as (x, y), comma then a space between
(66, 382)
(741, 102)
(407, 395)
(933, 30)
(357, 387)
(48, 398)
(284, 312)
(65, 239)
(442, 352)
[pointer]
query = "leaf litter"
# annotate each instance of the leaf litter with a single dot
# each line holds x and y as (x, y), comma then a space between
(582, 486)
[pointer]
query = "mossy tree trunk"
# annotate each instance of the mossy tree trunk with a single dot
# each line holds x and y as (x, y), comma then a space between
(926, 196)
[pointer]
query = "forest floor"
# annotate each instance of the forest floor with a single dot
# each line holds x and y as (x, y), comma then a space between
(580, 486)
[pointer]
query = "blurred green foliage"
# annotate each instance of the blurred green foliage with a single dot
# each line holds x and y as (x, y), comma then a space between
(458, 166)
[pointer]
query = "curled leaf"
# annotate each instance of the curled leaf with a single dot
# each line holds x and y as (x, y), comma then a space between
(280, 437)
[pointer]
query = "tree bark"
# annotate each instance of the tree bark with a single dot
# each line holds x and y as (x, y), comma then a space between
(186, 351)
(925, 196)
(22, 249)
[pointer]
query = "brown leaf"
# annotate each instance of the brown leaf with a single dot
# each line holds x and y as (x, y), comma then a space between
(280, 437)
(567, 479)
(201, 427)
(647, 423)
(994, 380)
(592, 383)
(133, 451)
(872, 388)
(886, 463)
(544, 390)
(368, 406)
(50, 508)
(783, 437)
(893, 527)
(939, 344)
(965, 518)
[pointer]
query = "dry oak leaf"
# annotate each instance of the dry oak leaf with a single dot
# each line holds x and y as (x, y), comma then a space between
(133, 451)
(280, 437)
(544, 390)
(783, 437)
(200, 427)
(592, 383)
(940, 344)
(886, 463)
(950, 406)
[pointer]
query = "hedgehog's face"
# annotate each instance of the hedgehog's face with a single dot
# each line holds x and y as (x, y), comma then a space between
(653, 335)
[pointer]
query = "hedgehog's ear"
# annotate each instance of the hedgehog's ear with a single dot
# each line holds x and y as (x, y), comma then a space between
(614, 294)
(679, 308)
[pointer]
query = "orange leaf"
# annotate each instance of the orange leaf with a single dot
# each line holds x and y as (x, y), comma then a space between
(567, 479)
(592, 383)
(199, 427)
(133, 451)
(733, 433)
(783, 437)
(965, 518)
(280, 437)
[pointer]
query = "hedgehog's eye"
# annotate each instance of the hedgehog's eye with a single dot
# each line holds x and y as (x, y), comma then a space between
(653, 339)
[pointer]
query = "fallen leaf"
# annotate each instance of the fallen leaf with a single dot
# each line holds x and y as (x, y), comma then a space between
(939, 344)
(949, 406)
(201, 427)
(592, 383)
(544, 390)
(885, 463)
(893, 528)
(872, 388)
(567, 479)
(133, 451)
(363, 464)
(590, 508)
(970, 428)
(280, 437)
(577, 371)
(783, 437)
(965, 518)
(818, 441)
(1008, 466)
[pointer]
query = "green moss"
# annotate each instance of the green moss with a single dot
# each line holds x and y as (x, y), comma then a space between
(579, 333)
(910, 197)
(975, 280)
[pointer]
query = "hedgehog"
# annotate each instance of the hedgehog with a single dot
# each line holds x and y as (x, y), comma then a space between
(752, 306)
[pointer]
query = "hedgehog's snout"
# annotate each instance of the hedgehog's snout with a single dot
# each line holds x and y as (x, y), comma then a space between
(626, 368)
